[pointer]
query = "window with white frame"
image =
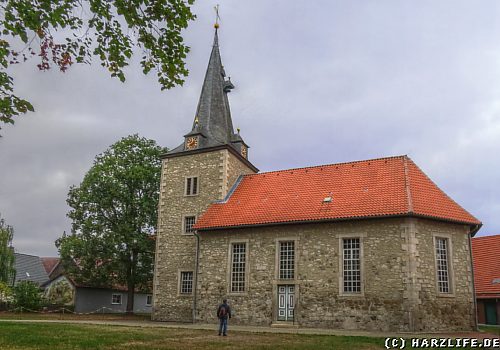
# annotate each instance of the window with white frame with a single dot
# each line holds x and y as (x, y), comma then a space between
(238, 267)
(442, 265)
(351, 261)
(287, 260)
(186, 282)
(191, 186)
(116, 299)
(149, 300)
(188, 224)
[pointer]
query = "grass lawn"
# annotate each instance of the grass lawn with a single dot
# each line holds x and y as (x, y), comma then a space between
(70, 316)
(57, 336)
(72, 336)
(490, 329)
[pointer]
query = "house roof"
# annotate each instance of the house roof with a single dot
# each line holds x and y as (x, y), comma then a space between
(49, 263)
(485, 254)
(29, 268)
(382, 187)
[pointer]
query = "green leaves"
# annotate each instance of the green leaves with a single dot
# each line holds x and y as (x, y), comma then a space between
(106, 29)
(7, 270)
(27, 295)
(114, 215)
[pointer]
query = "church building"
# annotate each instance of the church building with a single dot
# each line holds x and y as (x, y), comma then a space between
(368, 245)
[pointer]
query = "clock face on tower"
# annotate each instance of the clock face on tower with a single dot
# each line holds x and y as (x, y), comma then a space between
(192, 142)
(244, 151)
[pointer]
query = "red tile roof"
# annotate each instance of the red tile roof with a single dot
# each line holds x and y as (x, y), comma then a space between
(486, 258)
(49, 263)
(363, 189)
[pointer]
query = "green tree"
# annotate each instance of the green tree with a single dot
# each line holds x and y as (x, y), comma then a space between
(108, 29)
(5, 295)
(114, 213)
(27, 295)
(7, 271)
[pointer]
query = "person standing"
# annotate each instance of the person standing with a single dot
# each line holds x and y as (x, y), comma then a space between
(223, 313)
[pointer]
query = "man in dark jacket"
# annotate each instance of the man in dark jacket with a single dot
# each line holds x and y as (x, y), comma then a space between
(223, 313)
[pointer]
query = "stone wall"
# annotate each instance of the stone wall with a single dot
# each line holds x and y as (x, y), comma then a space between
(453, 311)
(398, 263)
(175, 251)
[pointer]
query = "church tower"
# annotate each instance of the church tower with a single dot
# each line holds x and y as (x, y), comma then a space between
(195, 174)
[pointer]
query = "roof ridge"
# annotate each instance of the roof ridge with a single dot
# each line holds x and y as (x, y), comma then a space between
(327, 165)
(407, 185)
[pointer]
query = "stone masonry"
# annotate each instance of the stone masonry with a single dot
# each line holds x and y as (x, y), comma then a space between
(175, 252)
(398, 272)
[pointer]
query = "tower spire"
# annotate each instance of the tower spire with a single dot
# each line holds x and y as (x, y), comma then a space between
(212, 125)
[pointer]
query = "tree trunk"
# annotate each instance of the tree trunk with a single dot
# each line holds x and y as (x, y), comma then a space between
(131, 282)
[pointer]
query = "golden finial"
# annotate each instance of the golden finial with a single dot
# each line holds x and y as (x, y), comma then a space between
(238, 129)
(196, 120)
(217, 17)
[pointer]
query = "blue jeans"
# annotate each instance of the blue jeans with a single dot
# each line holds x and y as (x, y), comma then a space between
(223, 325)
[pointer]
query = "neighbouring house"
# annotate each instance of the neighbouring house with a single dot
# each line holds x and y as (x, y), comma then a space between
(50, 264)
(371, 244)
(63, 290)
(486, 256)
(29, 268)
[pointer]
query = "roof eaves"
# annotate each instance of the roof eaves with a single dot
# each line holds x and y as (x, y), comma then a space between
(304, 221)
(209, 149)
(349, 218)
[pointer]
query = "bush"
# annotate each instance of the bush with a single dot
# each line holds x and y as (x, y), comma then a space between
(5, 296)
(27, 295)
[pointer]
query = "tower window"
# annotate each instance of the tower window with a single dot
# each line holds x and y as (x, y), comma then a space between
(192, 186)
(188, 224)
(186, 282)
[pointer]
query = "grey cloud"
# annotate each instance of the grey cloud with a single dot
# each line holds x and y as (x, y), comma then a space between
(316, 82)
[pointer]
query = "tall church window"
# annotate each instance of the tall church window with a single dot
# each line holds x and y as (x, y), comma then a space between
(287, 260)
(238, 267)
(192, 186)
(351, 259)
(442, 265)
(186, 282)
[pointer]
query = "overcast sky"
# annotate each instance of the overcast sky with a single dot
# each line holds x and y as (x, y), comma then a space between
(317, 82)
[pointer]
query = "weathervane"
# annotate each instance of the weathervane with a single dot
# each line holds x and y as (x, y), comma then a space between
(217, 17)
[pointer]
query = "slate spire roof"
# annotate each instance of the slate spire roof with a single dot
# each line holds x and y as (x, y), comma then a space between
(212, 120)
(384, 187)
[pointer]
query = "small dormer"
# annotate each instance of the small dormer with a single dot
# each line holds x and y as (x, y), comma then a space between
(240, 145)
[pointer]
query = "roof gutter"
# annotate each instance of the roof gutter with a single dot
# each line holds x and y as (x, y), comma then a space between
(474, 229)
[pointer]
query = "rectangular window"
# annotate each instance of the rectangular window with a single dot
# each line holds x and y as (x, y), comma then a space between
(149, 300)
(442, 262)
(188, 224)
(191, 186)
(186, 282)
(287, 260)
(238, 267)
(351, 257)
(116, 299)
